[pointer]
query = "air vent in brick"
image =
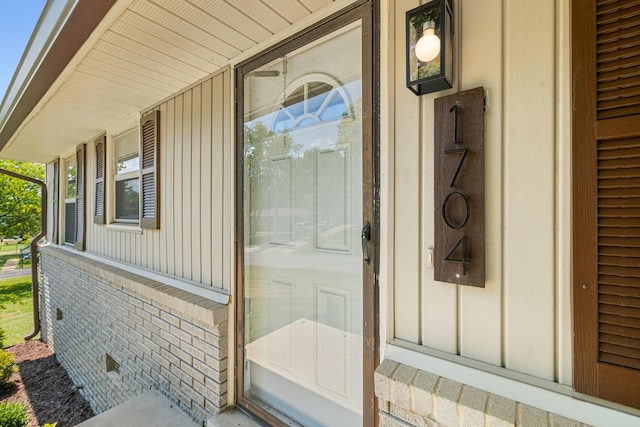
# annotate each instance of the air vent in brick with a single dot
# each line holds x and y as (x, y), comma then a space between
(112, 365)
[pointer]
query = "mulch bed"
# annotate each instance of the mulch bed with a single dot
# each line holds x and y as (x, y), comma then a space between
(44, 386)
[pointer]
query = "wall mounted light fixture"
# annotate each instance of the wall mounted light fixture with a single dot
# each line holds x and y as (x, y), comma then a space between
(430, 47)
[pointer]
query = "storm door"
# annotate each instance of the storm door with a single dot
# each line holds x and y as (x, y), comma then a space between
(305, 242)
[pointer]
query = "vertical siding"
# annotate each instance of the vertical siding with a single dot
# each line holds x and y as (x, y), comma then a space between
(529, 172)
(206, 208)
(196, 182)
(221, 122)
(483, 340)
(518, 321)
(196, 192)
(563, 207)
(407, 245)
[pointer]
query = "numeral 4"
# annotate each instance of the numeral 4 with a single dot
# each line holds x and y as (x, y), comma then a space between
(463, 258)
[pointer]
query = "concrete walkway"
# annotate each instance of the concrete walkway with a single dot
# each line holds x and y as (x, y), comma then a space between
(150, 409)
(9, 269)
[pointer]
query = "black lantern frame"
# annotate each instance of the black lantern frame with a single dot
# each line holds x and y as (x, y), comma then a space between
(437, 74)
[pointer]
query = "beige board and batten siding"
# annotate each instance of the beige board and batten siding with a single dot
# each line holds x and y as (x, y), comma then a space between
(195, 240)
(514, 50)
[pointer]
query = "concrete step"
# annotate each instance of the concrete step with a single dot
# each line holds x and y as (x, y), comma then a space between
(232, 417)
(150, 409)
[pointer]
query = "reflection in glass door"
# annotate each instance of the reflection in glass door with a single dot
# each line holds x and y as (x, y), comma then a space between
(302, 202)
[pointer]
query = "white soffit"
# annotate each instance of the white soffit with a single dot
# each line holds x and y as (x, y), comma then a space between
(151, 50)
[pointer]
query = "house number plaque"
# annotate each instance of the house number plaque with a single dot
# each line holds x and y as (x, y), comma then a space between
(459, 188)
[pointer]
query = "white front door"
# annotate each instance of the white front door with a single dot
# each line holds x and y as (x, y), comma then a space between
(303, 216)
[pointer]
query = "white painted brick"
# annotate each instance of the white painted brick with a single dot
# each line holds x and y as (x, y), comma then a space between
(559, 421)
(174, 320)
(115, 313)
(501, 412)
(473, 405)
(447, 395)
(400, 386)
(423, 390)
(387, 420)
(532, 417)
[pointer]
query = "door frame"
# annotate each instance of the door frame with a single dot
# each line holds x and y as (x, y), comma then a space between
(368, 12)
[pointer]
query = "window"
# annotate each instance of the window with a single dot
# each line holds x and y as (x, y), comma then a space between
(127, 178)
(136, 179)
(70, 200)
(56, 200)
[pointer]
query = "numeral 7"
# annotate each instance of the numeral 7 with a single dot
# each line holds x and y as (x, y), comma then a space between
(464, 154)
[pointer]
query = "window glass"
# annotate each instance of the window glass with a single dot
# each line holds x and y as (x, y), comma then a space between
(127, 177)
(127, 153)
(70, 200)
(71, 178)
(127, 196)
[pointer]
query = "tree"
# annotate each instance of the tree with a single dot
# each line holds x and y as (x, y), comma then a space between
(19, 199)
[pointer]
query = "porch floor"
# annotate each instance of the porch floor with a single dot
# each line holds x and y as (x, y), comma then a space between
(150, 409)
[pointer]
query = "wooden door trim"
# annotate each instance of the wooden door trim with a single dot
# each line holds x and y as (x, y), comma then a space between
(584, 184)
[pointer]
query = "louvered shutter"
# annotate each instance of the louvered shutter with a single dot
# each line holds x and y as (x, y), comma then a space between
(149, 176)
(606, 151)
(101, 152)
(80, 226)
(56, 201)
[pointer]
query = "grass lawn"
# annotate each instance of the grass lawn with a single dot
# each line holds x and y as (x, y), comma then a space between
(13, 248)
(16, 309)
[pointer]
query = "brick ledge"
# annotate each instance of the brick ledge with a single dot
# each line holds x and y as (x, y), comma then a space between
(166, 296)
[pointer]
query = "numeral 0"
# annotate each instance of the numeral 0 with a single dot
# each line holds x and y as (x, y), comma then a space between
(466, 212)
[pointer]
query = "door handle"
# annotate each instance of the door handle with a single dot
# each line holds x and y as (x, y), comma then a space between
(366, 237)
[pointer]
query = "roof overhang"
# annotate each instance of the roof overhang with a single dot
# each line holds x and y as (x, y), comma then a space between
(62, 29)
(91, 65)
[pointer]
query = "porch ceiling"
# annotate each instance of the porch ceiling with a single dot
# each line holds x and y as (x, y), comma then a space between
(148, 51)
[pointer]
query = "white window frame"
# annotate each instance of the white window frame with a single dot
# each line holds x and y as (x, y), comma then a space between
(115, 178)
(64, 172)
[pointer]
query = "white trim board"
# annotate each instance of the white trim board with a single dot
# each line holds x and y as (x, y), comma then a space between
(548, 400)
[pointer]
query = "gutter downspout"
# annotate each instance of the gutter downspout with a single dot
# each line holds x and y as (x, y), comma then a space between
(35, 286)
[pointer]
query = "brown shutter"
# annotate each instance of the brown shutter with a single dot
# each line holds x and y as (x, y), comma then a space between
(618, 58)
(56, 201)
(79, 235)
(606, 199)
(101, 152)
(149, 176)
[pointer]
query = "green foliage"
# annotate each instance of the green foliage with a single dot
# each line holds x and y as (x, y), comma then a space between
(2, 335)
(20, 200)
(7, 368)
(13, 415)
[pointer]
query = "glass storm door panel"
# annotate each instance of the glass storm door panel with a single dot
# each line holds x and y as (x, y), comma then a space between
(302, 221)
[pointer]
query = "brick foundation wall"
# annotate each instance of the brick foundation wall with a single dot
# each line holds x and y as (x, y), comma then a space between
(161, 337)
(411, 397)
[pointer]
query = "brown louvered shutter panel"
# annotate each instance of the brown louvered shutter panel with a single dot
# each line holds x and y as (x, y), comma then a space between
(618, 58)
(149, 159)
(606, 176)
(79, 235)
(101, 154)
